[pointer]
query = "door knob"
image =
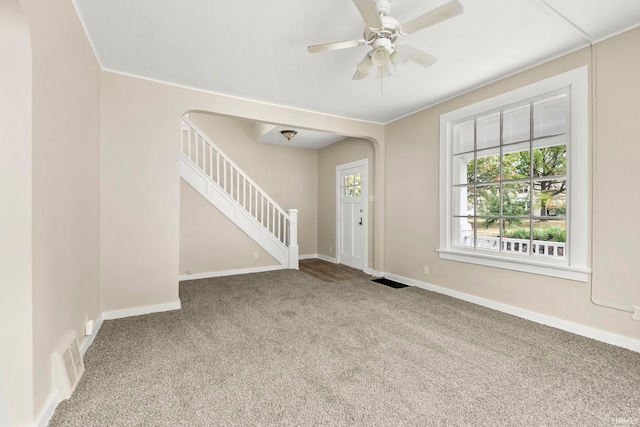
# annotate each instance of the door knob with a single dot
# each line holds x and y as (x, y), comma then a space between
(360, 221)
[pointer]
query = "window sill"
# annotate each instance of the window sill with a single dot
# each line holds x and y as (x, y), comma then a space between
(577, 274)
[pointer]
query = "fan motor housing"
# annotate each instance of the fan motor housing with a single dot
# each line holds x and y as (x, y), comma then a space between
(388, 31)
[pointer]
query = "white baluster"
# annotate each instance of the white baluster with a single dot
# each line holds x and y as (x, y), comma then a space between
(197, 151)
(244, 193)
(189, 142)
(211, 162)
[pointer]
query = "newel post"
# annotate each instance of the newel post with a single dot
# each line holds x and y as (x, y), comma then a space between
(293, 239)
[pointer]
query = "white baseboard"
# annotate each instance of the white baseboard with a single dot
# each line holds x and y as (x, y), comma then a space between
(576, 328)
(211, 274)
(326, 258)
(47, 410)
(308, 256)
(89, 339)
(373, 272)
(137, 311)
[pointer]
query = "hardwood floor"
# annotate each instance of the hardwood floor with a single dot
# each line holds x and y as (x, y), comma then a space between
(330, 272)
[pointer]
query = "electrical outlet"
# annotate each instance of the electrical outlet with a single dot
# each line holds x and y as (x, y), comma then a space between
(636, 312)
(255, 255)
(426, 270)
(330, 249)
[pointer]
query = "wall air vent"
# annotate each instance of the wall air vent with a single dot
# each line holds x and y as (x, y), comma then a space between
(68, 366)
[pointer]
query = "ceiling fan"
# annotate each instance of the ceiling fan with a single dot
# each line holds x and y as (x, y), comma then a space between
(382, 33)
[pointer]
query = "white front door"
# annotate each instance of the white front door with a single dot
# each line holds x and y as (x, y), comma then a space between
(352, 214)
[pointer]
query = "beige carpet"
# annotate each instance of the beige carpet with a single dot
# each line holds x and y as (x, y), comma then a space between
(283, 348)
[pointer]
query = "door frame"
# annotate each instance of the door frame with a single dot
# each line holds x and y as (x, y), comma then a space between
(364, 163)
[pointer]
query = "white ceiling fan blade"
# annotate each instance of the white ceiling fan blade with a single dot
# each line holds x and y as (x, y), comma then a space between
(365, 65)
(359, 75)
(369, 12)
(334, 46)
(416, 55)
(439, 14)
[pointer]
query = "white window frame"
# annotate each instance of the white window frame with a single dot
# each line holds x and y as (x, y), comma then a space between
(575, 265)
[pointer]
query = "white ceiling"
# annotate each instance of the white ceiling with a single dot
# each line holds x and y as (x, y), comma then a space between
(257, 49)
(304, 138)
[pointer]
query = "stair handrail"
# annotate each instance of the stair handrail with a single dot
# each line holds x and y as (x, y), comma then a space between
(239, 170)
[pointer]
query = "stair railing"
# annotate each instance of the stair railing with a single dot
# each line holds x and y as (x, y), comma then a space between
(224, 173)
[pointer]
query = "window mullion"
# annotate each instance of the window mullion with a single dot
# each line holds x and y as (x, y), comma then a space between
(531, 189)
(475, 183)
(501, 212)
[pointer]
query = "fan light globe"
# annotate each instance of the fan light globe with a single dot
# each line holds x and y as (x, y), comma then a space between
(380, 56)
(398, 60)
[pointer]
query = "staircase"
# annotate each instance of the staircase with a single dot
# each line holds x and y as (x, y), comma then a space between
(219, 180)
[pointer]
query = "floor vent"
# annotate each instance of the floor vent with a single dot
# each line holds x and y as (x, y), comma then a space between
(67, 366)
(390, 283)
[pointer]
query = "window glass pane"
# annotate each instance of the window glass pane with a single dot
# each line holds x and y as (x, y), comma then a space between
(357, 190)
(463, 137)
(516, 234)
(488, 200)
(464, 232)
(515, 199)
(488, 131)
(516, 124)
(463, 168)
(356, 179)
(550, 161)
(488, 238)
(550, 116)
(488, 165)
(550, 198)
(463, 201)
(549, 238)
(516, 161)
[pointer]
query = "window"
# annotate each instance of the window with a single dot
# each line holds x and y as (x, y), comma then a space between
(514, 179)
(351, 185)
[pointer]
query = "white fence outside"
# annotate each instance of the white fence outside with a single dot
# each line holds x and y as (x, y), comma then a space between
(538, 247)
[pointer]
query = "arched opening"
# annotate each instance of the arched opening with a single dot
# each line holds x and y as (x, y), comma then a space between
(288, 170)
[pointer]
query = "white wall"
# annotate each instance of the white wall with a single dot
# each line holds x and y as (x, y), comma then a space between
(140, 179)
(16, 376)
(210, 242)
(412, 210)
(66, 192)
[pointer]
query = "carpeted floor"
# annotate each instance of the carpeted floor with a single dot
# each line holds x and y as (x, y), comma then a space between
(284, 348)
